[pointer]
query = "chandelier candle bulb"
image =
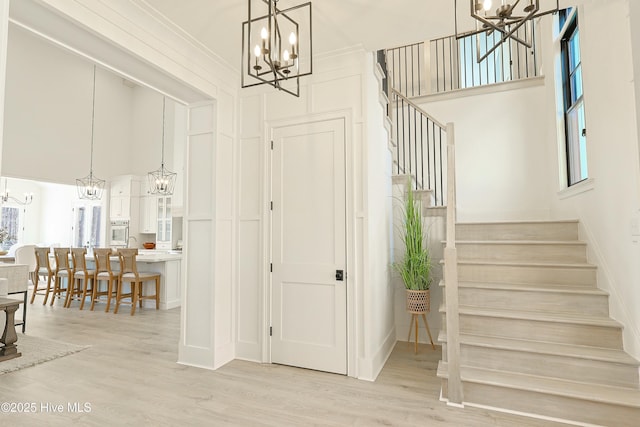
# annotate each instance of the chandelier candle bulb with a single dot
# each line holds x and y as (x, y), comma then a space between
(292, 42)
(264, 35)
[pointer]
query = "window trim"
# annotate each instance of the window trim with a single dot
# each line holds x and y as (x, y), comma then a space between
(565, 34)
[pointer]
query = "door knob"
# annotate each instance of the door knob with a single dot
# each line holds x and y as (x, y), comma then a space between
(340, 275)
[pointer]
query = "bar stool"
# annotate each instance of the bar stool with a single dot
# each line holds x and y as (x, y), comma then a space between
(104, 273)
(83, 278)
(64, 270)
(129, 273)
(43, 271)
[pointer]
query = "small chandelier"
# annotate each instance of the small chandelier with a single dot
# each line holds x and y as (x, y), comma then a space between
(506, 19)
(162, 180)
(276, 45)
(5, 197)
(90, 187)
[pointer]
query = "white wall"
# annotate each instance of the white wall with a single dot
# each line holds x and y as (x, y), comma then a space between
(501, 157)
(608, 205)
(48, 114)
(341, 84)
(146, 147)
(374, 206)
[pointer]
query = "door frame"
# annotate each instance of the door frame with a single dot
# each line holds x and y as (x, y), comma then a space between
(352, 279)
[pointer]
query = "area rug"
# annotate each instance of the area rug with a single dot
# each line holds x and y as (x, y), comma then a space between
(37, 350)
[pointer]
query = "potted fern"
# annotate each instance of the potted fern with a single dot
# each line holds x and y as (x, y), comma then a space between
(415, 268)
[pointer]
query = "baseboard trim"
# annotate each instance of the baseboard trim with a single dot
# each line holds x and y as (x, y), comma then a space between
(370, 368)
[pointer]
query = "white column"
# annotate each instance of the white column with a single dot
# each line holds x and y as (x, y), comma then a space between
(4, 35)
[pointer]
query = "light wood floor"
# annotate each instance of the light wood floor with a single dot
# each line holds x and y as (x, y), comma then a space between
(129, 377)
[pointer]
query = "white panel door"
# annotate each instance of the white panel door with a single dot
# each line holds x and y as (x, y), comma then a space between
(309, 318)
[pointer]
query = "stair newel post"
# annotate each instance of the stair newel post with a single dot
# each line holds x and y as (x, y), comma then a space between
(454, 383)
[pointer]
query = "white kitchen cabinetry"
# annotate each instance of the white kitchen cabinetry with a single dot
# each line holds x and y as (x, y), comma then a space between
(163, 230)
(123, 201)
(148, 214)
(120, 207)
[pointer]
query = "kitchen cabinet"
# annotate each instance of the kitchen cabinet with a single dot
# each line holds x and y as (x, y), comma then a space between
(148, 214)
(123, 200)
(120, 207)
(163, 230)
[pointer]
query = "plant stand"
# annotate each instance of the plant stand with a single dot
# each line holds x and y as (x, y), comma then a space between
(418, 303)
(414, 319)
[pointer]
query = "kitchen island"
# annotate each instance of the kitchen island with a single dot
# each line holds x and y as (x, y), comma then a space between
(168, 264)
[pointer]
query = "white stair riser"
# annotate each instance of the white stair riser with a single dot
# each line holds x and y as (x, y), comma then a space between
(549, 331)
(526, 274)
(547, 405)
(548, 365)
(551, 302)
(518, 231)
(558, 253)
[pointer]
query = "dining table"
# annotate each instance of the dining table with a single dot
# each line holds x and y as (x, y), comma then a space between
(9, 349)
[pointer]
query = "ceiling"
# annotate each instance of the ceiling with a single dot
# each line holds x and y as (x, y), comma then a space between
(337, 24)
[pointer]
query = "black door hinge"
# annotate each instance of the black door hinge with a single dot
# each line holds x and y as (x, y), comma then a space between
(271, 267)
(270, 331)
(271, 205)
(272, 145)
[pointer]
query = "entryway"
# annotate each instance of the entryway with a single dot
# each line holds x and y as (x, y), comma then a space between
(308, 281)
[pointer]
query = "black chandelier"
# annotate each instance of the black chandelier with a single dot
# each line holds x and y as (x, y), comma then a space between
(507, 18)
(276, 45)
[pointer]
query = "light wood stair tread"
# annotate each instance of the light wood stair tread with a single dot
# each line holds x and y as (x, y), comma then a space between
(547, 348)
(528, 287)
(596, 393)
(520, 242)
(540, 316)
(526, 264)
(519, 222)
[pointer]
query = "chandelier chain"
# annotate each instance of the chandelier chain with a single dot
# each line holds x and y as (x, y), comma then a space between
(93, 115)
(164, 103)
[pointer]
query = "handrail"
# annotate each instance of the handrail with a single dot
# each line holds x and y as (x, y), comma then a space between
(420, 110)
(419, 149)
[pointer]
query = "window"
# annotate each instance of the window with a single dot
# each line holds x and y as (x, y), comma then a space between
(11, 223)
(495, 68)
(87, 226)
(510, 60)
(574, 115)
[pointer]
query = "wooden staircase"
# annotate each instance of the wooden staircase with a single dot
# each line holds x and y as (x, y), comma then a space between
(535, 332)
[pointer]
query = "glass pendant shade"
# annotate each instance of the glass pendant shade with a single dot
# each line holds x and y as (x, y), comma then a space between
(91, 187)
(162, 181)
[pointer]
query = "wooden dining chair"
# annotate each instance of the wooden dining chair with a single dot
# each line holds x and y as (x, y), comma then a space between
(43, 272)
(84, 279)
(104, 273)
(63, 273)
(129, 274)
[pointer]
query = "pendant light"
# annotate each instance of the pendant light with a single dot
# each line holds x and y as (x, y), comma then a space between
(276, 45)
(162, 180)
(90, 187)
